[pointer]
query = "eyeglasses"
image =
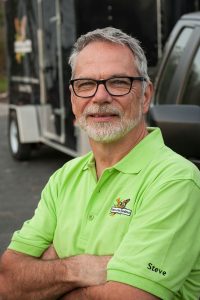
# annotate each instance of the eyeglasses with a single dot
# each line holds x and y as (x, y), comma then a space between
(115, 86)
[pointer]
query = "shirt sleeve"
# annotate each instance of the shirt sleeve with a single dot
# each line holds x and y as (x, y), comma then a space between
(161, 246)
(37, 234)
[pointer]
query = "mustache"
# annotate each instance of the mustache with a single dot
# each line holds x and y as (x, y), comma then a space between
(101, 109)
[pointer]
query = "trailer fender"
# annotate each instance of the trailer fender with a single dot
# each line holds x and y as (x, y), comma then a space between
(28, 123)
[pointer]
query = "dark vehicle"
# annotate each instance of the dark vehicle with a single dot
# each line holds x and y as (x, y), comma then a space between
(176, 105)
(40, 35)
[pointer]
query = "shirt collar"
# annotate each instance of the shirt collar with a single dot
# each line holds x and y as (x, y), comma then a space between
(142, 153)
(90, 163)
(139, 156)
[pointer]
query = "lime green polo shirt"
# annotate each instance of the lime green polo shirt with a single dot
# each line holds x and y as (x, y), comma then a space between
(145, 211)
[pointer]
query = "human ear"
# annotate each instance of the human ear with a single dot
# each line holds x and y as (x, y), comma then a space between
(147, 96)
(72, 98)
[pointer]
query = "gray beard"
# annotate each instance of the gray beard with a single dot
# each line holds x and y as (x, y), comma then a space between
(107, 132)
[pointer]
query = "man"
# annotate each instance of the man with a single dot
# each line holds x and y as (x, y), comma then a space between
(124, 219)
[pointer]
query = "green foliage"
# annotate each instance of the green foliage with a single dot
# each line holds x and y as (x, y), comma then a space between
(3, 84)
(1, 14)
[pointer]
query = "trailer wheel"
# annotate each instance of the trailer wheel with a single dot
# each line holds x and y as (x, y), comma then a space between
(20, 151)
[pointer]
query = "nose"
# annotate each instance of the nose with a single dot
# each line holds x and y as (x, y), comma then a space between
(102, 96)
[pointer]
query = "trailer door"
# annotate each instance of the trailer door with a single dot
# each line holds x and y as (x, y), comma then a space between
(51, 72)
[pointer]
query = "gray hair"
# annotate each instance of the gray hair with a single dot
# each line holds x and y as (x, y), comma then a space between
(115, 36)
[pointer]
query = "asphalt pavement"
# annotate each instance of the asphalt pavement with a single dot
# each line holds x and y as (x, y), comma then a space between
(21, 183)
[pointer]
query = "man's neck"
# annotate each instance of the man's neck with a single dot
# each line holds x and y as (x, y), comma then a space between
(108, 154)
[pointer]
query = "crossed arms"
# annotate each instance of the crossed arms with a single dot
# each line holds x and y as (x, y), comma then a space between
(77, 277)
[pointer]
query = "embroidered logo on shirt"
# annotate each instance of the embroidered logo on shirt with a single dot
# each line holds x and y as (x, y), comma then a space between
(120, 208)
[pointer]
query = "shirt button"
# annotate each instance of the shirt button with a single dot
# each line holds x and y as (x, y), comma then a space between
(90, 217)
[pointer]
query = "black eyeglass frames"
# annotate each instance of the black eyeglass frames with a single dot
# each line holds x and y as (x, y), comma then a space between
(115, 86)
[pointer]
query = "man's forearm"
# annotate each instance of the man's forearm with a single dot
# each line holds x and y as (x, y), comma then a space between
(25, 277)
(109, 291)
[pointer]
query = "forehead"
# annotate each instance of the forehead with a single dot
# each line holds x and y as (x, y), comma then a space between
(102, 59)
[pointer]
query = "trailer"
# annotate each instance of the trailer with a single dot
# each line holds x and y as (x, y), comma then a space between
(40, 35)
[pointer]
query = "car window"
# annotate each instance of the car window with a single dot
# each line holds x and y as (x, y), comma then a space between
(172, 63)
(191, 93)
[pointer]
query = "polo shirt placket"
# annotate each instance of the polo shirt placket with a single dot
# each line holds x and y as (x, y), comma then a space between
(94, 205)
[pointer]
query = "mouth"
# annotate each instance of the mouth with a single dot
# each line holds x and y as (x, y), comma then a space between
(102, 117)
(99, 115)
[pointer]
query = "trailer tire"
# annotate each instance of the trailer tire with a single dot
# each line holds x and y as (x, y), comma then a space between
(19, 151)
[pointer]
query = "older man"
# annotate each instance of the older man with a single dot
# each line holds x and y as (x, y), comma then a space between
(124, 219)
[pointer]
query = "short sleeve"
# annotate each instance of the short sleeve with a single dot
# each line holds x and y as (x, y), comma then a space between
(37, 233)
(162, 243)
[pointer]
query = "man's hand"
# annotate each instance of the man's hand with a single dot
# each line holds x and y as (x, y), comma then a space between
(92, 269)
(93, 272)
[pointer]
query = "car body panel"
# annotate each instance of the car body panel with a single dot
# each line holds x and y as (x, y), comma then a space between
(176, 103)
